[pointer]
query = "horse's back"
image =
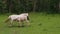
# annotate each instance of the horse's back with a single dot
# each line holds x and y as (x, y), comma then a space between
(13, 16)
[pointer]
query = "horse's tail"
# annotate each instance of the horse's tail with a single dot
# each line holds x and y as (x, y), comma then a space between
(7, 20)
(28, 18)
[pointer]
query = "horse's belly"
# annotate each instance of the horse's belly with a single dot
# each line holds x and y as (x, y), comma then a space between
(21, 18)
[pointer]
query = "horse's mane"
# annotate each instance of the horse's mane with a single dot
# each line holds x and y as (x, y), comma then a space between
(23, 13)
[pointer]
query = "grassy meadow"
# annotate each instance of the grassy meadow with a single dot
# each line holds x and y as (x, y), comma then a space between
(41, 23)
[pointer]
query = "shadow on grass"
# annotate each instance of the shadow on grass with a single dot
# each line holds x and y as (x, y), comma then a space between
(18, 26)
(15, 26)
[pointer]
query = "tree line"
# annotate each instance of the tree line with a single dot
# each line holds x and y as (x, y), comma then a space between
(18, 6)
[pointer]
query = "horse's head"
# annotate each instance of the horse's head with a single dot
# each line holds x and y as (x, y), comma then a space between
(26, 14)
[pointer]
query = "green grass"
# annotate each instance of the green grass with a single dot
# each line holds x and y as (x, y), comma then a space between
(40, 24)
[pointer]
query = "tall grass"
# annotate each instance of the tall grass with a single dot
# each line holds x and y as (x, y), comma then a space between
(41, 23)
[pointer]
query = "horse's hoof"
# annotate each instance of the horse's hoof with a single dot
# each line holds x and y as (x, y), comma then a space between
(22, 26)
(19, 26)
(9, 26)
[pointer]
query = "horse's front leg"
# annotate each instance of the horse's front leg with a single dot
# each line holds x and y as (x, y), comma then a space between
(19, 23)
(28, 24)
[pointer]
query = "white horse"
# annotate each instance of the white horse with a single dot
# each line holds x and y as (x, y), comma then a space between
(20, 18)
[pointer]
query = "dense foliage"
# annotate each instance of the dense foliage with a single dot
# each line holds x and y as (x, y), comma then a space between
(18, 6)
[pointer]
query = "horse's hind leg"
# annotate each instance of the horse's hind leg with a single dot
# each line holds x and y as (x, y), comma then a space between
(11, 21)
